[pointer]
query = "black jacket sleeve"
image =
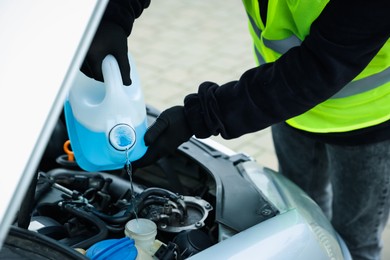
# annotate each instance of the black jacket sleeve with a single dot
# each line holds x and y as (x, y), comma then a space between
(342, 41)
(124, 12)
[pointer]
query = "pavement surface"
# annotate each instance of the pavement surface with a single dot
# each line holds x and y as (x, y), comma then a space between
(179, 44)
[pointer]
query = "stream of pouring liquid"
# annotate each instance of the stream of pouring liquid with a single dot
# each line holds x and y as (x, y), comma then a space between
(129, 171)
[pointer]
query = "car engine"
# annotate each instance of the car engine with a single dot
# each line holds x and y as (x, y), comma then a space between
(197, 197)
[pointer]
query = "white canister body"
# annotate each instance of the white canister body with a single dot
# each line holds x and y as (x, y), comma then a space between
(106, 120)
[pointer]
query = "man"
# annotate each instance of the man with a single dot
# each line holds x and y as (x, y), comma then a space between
(323, 84)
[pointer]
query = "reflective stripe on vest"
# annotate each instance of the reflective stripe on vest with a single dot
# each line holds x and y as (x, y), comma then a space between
(346, 110)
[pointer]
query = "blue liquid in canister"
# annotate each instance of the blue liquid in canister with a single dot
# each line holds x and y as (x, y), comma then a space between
(106, 120)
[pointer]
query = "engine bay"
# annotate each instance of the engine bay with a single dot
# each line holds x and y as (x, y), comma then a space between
(197, 197)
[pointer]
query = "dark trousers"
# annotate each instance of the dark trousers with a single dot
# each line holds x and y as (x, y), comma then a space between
(350, 183)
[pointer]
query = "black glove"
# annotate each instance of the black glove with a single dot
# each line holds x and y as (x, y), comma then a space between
(110, 38)
(170, 130)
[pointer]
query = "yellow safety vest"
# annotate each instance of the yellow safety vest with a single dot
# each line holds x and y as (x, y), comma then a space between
(362, 103)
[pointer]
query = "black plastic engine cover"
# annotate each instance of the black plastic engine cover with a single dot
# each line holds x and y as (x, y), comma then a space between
(239, 204)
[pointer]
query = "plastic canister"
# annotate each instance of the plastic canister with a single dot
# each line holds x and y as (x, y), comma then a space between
(106, 120)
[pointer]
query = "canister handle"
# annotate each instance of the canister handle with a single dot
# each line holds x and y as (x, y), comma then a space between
(112, 76)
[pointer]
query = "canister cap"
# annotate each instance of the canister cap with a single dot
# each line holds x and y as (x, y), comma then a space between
(122, 137)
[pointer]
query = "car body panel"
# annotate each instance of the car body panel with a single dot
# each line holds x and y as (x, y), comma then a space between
(42, 46)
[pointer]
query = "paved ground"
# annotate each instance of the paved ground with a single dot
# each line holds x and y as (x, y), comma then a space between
(179, 44)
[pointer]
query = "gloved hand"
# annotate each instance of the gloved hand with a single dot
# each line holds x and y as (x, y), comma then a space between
(168, 132)
(110, 38)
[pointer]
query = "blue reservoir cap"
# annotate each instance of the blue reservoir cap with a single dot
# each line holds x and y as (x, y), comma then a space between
(122, 137)
(122, 248)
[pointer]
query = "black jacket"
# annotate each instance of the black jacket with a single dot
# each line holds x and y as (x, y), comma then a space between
(342, 41)
(124, 12)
